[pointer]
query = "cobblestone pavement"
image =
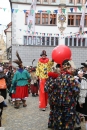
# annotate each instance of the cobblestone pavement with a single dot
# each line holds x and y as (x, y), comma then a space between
(29, 118)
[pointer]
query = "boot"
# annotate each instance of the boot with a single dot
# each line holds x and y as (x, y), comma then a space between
(17, 104)
(13, 103)
(24, 103)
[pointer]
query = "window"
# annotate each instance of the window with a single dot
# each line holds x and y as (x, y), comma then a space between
(34, 40)
(25, 40)
(79, 42)
(29, 40)
(85, 21)
(52, 41)
(70, 41)
(70, 1)
(78, 18)
(52, 18)
(47, 41)
(70, 19)
(44, 18)
(38, 40)
(66, 41)
(74, 20)
(47, 19)
(37, 18)
(43, 40)
(75, 40)
(56, 41)
(83, 42)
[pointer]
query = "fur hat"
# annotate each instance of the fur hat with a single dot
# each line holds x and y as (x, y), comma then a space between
(67, 64)
(84, 64)
(1, 99)
(33, 69)
(43, 53)
(18, 61)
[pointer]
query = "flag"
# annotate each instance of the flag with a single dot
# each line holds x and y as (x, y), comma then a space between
(81, 29)
(31, 16)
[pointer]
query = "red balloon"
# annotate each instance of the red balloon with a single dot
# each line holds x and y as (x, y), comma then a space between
(61, 53)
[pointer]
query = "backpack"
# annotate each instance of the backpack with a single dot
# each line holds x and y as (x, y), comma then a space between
(3, 84)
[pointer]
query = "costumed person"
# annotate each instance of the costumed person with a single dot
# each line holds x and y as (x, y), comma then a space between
(43, 67)
(20, 83)
(34, 82)
(3, 85)
(82, 108)
(8, 75)
(56, 71)
(63, 93)
(12, 89)
(1, 108)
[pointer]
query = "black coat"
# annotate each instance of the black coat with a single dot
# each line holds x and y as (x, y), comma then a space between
(3, 92)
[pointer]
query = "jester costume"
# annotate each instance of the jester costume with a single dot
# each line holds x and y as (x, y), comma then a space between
(43, 67)
(20, 83)
(63, 94)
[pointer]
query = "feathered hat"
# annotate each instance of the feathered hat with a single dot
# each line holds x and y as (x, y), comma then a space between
(67, 64)
(18, 61)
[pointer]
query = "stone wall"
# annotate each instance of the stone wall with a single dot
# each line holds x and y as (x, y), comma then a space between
(28, 53)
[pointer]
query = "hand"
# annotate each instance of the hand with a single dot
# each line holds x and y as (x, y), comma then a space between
(81, 105)
(52, 60)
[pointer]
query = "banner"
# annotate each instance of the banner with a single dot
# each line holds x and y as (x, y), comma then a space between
(49, 11)
(31, 16)
(82, 22)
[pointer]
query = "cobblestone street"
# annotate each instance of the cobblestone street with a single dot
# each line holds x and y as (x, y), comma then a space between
(29, 118)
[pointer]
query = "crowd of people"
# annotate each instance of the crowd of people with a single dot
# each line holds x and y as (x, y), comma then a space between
(62, 86)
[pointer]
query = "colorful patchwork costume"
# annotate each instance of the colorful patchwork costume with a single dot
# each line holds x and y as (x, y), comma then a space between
(63, 94)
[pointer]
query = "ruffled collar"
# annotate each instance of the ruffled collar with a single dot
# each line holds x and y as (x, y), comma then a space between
(66, 72)
(44, 60)
(20, 70)
(53, 74)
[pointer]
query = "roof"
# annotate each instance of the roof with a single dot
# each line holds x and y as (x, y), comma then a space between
(10, 24)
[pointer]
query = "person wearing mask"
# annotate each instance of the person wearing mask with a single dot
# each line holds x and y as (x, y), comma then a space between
(3, 85)
(50, 89)
(63, 92)
(20, 83)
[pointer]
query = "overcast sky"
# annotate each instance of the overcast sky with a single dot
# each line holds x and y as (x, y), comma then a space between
(5, 16)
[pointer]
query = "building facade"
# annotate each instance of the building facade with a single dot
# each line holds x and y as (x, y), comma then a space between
(56, 22)
(3, 53)
(8, 34)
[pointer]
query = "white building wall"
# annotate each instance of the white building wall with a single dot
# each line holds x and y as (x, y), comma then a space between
(18, 22)
(8, 39)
